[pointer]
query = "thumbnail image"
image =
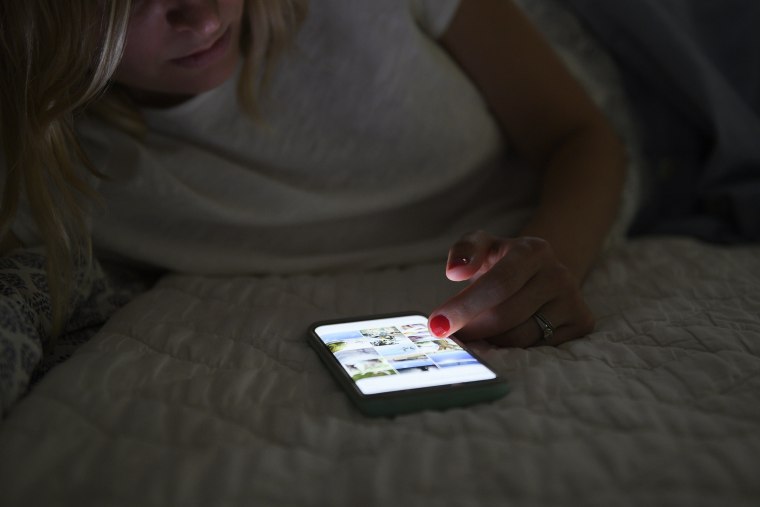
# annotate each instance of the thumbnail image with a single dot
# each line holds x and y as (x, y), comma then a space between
(363, 363)
(412, 363)
(416, 332)
(415, 329)
(416, 369)
(350, 356)
(382, 336)
(345, 340)
(342, 336)
(452, 358)
(446, 345)
(433, 346)
(400, 349)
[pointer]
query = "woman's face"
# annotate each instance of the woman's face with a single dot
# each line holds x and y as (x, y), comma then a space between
(179, 48)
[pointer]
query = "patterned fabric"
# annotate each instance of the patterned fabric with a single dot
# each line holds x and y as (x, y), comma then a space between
(27, 349)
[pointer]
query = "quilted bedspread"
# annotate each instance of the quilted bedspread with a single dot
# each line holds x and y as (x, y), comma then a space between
(203, 391)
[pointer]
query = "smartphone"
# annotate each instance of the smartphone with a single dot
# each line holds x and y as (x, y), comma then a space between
(392, 364)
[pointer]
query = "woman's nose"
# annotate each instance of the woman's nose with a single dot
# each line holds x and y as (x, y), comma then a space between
(200, 16)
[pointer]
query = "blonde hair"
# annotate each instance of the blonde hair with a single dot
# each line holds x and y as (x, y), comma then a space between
(57, 58)
(268, 33)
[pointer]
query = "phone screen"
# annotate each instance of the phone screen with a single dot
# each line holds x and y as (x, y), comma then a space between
(384, 355)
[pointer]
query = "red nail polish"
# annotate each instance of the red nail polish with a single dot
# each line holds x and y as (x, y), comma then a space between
(456, 262)
(439, 325)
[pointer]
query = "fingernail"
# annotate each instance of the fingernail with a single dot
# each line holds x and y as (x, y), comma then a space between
(456, 262)
(439, 325)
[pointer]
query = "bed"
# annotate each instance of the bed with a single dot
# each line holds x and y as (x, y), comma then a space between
(203, 391)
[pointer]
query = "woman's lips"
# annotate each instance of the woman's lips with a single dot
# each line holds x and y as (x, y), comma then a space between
(206, 56)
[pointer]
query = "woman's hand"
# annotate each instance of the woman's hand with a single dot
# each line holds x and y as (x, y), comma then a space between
(515, 283)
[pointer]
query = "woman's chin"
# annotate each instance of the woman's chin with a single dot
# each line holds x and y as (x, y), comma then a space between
(182, 88)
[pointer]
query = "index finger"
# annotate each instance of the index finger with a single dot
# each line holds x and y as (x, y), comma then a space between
(497, 285)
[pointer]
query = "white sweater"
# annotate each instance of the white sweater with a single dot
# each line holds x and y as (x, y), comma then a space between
(373, 149)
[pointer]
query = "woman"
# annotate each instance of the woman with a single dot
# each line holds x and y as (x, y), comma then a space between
(386, 131)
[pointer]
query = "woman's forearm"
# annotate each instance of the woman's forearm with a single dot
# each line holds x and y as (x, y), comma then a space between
(580, 196)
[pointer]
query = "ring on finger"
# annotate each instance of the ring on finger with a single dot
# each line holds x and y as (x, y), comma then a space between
(547, 329)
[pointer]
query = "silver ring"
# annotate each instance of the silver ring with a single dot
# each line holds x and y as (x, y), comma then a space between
(547, 330)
